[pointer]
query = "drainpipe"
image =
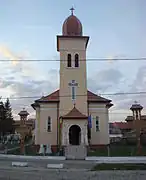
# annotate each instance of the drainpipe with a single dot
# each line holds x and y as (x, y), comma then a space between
(57, 125)
(88, 130)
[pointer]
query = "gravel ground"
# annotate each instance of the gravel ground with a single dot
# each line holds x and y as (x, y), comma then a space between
(16, 174)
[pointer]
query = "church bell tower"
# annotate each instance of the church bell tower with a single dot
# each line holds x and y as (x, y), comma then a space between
(73, 81)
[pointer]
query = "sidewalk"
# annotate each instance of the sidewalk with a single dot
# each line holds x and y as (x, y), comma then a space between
(32, 157)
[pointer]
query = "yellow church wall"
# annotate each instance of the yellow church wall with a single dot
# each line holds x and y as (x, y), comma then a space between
(72, 46)
(101, 136)
(43, 136)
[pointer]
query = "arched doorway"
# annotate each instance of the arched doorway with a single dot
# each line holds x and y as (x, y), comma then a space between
(75, 135)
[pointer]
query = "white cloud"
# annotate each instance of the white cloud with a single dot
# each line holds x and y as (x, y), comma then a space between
(29, 79)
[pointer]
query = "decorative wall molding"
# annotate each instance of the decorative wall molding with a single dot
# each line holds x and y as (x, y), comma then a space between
(48, 109)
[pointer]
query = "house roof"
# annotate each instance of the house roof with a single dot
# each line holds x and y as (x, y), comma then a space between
(122, 125)
(23, 113)
(136, 107)
(130, 118)
(75, 114)
(54, 97)
(95, 98)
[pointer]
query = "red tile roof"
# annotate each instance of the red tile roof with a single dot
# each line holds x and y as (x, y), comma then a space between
(51, 97)
(54, 97)
(75, 114)
(122, 125)
(130, 118)
(95, 98)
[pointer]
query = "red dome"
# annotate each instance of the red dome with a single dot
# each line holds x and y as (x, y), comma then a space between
(72, 26)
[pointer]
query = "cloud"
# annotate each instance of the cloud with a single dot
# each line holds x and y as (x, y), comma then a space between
(25, 79)
(105, 80)
(28, 87)
(113, 81)
(137, 85)
(29, 79)
(7, 53)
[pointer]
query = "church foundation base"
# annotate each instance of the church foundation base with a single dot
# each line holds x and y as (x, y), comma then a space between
(97, 146)
(75, 152)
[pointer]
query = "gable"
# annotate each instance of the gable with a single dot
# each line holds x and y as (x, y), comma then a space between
(75, 114)
(54, 98)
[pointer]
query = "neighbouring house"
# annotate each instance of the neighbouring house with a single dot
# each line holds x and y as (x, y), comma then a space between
(129, 128)
(115, 133)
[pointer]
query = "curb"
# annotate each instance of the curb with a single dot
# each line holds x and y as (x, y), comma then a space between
(33, 157)
(121, 160)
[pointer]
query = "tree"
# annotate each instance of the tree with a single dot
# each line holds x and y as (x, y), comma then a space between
(8, 109)
(2, 117)
(8, 117)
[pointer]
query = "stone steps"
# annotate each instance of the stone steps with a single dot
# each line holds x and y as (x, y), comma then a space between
(76, 152)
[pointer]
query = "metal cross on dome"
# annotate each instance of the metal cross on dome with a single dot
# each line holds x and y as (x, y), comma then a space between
(72, 10)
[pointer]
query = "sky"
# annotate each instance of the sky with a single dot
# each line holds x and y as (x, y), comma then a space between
(117, 29)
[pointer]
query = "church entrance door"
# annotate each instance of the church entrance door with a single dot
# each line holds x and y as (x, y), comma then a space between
(75, 135)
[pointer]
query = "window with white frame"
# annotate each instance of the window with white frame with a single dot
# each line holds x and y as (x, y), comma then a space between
(69, 60)
(49, 124)
(97, 123)
(76, 60)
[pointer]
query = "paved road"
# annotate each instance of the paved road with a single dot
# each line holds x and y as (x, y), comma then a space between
(44, 174)
(68, 164)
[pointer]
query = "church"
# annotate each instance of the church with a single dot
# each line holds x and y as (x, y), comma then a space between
(72, 115)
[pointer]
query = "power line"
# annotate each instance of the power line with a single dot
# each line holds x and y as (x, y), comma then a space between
(88, 59)
(103, 94)
(93, 112)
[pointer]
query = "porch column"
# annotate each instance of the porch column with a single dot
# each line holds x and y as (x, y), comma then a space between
(82, 136)
(65, 135)
(63, 140)
(85, 135)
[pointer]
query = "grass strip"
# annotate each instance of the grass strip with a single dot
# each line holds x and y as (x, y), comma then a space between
(119, 166)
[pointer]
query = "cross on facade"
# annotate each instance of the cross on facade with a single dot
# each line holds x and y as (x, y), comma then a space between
(73, 84)
(72, 10)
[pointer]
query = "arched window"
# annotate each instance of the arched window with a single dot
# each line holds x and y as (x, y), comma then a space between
(97, 123)
(49, 124)
(76, 60)
(69, 60)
